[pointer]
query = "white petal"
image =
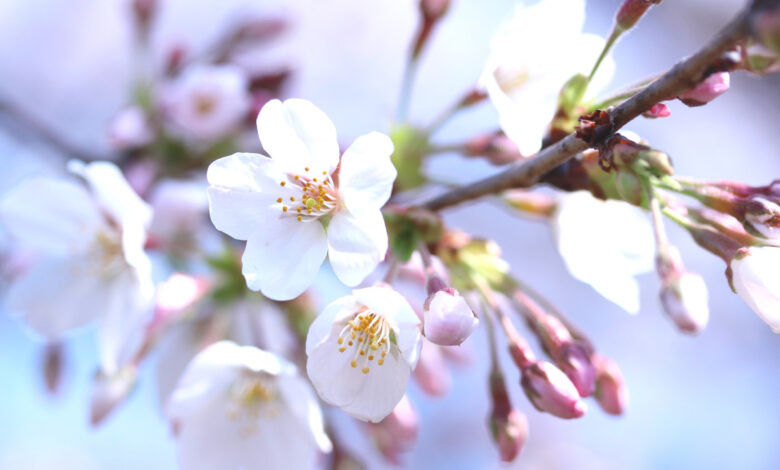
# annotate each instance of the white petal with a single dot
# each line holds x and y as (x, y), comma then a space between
(605, 244)
(72, 296)
(383, 388)
(399, 315)
(756, 279)
(298, 134)
(55, 216)
(299, 397)
(283, 260)
(122, 322)
(113, 192)
(366, 174)
(243, 188)
(334, 379)
(329, 320)
(357, 243)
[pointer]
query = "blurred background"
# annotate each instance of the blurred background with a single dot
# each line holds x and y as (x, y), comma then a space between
(703, 402)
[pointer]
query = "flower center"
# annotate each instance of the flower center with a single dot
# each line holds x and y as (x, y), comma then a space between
(369, 333)
(251, 397)
(313, 195)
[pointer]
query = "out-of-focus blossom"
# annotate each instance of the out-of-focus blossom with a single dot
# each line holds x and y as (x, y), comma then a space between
(109, 391)
(362, 349)
(207, 102)
(611, 391)
(712, 87)
(605, 244)
(431, 373)
(53, 366)
(529, 63)
(447, 318)
(549, 390)
(684, 299)
(508, 426)
(397, 432)
(242, 407)
(177, 293)
(415, 269)
(93, 265)
(278, 205)
(756, 278)
(129, 129)
(180, 225)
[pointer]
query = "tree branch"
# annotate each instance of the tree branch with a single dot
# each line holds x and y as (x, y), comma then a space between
(684, 75)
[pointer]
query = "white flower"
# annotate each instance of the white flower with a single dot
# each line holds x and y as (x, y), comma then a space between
(532, 56)
(93, 265)
(605, 244)
(756, 278)
(243, 408)
(207, 102)
(361, 350)
(447, 318)
(279, 205)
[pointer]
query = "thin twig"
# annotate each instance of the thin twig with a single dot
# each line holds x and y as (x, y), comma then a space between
(684, 75)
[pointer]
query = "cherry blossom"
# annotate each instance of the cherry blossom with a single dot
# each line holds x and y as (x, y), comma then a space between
(529, 63)
(92, 263)
(242, 407)
(362, 349)
(755, 277)
(281, 204)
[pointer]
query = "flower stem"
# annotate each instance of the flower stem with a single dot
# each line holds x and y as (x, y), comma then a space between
(613, 37)
(407, 83)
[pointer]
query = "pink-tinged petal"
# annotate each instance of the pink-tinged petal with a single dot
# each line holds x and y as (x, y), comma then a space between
(55, 216)
(73, 297)
(298, 134)
(244, 187)
(330, 321)
(122, 322)
(357, 243)
(366, 175)
(283, 259)
(112, 192)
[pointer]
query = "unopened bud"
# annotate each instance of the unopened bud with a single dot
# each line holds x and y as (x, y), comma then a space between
(712, 87)
(508, 426)
(431, 373)
(551, 391)
(396, 434)
(433, 10)
(143, 11)
(763, 216)
(573, 358)
(611, 391)
(658, 161)
(631, 11)
(447, 318)
(658, 110)
(684, 299)
(110, 391)
(498, 149)
(53, 365)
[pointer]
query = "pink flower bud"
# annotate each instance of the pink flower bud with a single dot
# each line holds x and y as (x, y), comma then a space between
(397, 433)
(508, 426)
(447, 318)
(433, 10)
(684, 299)
(53, 365)
(712, 87)
(611, 391)
(510, 431)
(110, 391)
(573, 358)
(763, 216)
(659, 110)
(631, 11)
(551, 391)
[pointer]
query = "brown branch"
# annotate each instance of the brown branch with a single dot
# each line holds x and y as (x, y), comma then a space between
(684, 75)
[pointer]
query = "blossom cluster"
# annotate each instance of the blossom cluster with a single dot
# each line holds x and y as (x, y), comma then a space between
(218, 275)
